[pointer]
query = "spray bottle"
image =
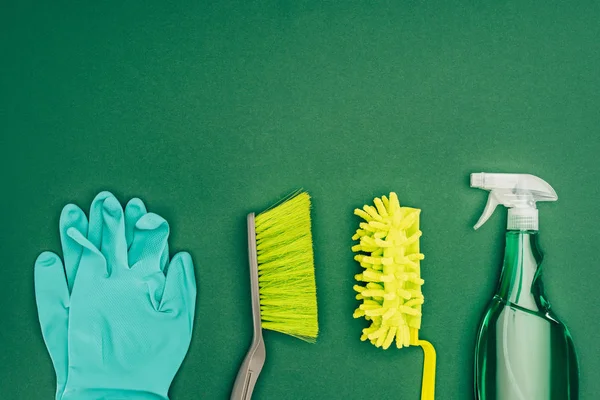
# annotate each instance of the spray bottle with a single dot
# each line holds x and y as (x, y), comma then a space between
(523, 351)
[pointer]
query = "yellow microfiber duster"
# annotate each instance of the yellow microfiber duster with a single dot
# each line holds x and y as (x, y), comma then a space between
(390, 285)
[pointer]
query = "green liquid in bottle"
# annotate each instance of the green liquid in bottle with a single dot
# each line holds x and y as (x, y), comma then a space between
(523, 351)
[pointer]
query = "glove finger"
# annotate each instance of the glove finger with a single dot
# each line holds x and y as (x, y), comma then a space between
(96, 221)
(134, 210)
(71, 217)
(90, 253)
(52, 299)
(180, 287)
(164, 257)
(149, 247)
(114, 244)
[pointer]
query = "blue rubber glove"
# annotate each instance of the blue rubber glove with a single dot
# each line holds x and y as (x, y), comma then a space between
(125, 330)
(53, 315)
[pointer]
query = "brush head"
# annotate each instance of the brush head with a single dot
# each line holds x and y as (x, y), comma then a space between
(390, 284)
(286, 272)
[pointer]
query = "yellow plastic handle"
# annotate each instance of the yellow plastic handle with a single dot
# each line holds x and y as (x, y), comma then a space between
(428, 382)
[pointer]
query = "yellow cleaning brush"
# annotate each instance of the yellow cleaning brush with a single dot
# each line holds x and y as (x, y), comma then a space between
(390, 285)
(282, 278)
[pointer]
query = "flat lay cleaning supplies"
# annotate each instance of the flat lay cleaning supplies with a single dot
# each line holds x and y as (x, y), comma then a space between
(116, 317)
(523, 351)
(282, 278)
(390, 284)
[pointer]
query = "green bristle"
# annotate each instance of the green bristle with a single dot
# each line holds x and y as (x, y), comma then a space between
(286, 270)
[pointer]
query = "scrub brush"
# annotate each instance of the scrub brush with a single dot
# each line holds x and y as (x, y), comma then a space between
(390, 285)
(282, 278)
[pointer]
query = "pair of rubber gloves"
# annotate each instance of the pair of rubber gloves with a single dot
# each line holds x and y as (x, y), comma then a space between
(116, 316)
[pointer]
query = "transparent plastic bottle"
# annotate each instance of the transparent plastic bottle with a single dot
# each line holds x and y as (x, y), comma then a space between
(523, 351)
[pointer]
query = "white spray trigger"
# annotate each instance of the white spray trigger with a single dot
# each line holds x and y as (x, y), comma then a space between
(490, 207)
(518, 192)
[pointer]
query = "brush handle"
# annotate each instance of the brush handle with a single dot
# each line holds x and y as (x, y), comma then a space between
(428, 380)
(255, 358)
(249, 371)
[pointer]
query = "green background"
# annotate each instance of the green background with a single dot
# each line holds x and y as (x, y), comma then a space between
(210, 110)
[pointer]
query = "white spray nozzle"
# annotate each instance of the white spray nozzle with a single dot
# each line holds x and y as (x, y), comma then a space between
(518, 192)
